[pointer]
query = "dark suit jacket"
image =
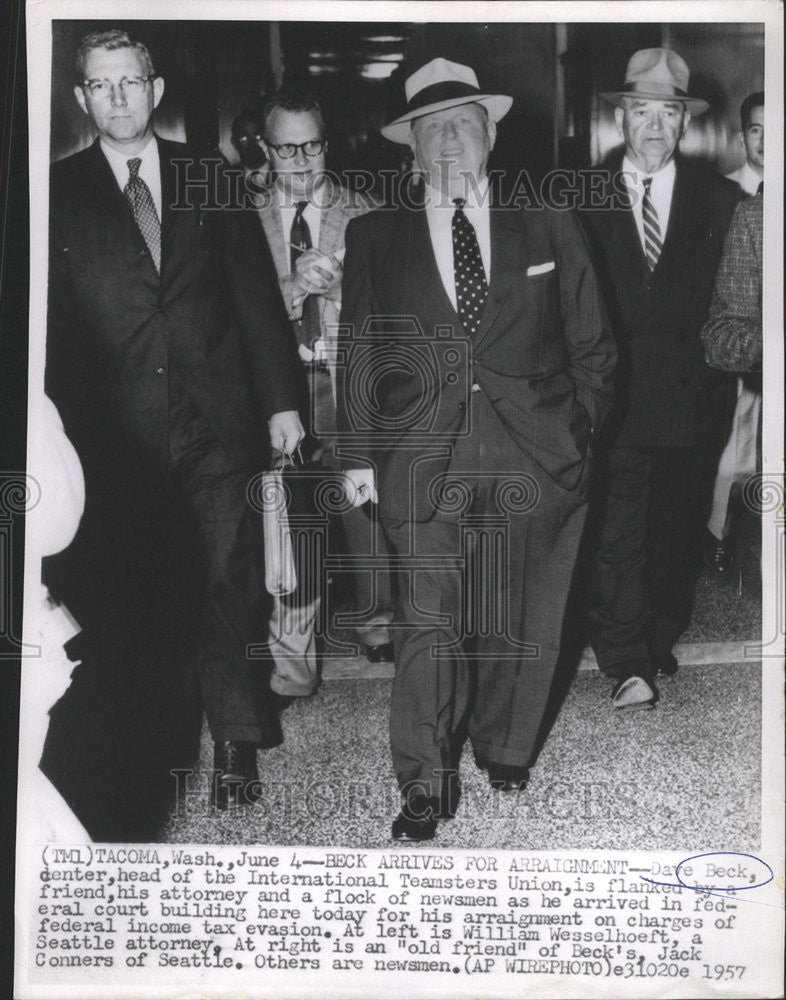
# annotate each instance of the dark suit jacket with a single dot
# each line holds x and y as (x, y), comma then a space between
(211, 331)
(214, 320)
(666, 394)
(543, 353)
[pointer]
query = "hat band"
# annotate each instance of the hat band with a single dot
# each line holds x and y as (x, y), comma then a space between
(437, 92)
(654, 87)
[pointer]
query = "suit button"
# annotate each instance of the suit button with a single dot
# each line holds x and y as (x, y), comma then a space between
(161, 370)
(462, 406)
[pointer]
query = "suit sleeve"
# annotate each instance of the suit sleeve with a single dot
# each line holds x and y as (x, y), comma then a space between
(732, 335)
(357, 305)
(592, 352)
(268, 344)
(70, 366)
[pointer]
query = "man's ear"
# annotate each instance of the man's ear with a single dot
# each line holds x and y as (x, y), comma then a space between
(491, 130)
(685, 123)
(158, 90)
(79, 94)
(619, 115)
(413, 145)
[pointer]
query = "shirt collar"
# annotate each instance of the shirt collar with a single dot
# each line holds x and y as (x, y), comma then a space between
(634, 176)
(477, 195)
(284, 199)
(148, 156)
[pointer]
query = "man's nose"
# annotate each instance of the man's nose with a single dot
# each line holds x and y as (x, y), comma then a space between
(449, 130)
(300, 157)
(655, 121)
(118, 95)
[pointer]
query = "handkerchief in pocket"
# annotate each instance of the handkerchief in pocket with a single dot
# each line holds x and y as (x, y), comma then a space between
(540, 268)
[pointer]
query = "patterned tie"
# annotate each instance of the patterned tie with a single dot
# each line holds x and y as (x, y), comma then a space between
(141, 201)
(652, 238)
(307, 328)
(471, 286)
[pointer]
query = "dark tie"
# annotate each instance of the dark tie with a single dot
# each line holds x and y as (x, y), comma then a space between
(652, 237)
(141, 201)
(471, 286)
(760, 188)
(300, 240)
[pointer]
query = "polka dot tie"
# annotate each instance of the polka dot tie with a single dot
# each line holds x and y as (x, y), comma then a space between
(141, 201)
(471, 286)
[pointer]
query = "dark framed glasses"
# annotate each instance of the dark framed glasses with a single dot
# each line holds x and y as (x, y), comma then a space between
(288, 149)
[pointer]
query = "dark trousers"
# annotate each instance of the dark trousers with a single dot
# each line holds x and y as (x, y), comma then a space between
(161, 577)
(647, 516)
(228, 543)
(481, 599)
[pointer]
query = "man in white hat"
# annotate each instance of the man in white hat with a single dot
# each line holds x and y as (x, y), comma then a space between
(656, 255)
(476, 362)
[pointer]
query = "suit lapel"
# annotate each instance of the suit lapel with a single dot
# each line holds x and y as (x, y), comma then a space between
(423, 281)
(686, 228)
(105, 196)
(508, 265)
(332, 218)
(274, 231)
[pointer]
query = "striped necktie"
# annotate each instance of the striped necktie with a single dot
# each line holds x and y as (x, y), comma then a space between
(653, 243)
(140, 199)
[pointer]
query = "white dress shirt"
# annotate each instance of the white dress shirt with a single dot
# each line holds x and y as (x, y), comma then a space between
(439, 213)
(661, 192)
(149, 169)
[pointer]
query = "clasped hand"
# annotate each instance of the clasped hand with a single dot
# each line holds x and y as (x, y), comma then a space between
(316, 273)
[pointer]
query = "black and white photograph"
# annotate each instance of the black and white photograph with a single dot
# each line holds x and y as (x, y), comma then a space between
(404, 493)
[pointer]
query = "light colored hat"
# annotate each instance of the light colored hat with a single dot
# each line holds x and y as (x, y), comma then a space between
(657, 75)
(438, 85)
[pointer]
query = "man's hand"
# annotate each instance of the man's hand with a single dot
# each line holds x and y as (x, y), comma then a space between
(286, 431)
(317, 274)
(359, 486)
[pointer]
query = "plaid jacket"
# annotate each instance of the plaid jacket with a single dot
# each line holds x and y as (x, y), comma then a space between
(732, 335)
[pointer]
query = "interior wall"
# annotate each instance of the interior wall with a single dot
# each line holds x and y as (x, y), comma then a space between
(213, 68)
(726, 63)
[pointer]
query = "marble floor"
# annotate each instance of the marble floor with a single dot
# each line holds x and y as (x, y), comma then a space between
(686, 773)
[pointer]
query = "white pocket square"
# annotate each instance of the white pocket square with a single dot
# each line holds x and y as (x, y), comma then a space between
(540, 268)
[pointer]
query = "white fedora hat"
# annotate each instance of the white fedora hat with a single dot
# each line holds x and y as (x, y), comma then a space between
(438, 85)
(657, 75)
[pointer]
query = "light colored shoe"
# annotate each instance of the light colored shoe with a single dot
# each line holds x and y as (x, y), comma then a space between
(633, 692)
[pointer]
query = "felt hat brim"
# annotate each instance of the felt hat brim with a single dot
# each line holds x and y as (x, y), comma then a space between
(693, 105)
(400, 130)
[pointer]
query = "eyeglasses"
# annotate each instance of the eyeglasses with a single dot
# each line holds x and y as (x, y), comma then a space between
(288, 149)
(128, 86)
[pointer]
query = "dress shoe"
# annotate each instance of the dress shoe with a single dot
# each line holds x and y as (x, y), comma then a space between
(235, 777)
(504, 777)
(281, 702)
(380, 654)
(417, 820)
(507, 777)
(665, 664)
(633, 692)
(718, 554)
